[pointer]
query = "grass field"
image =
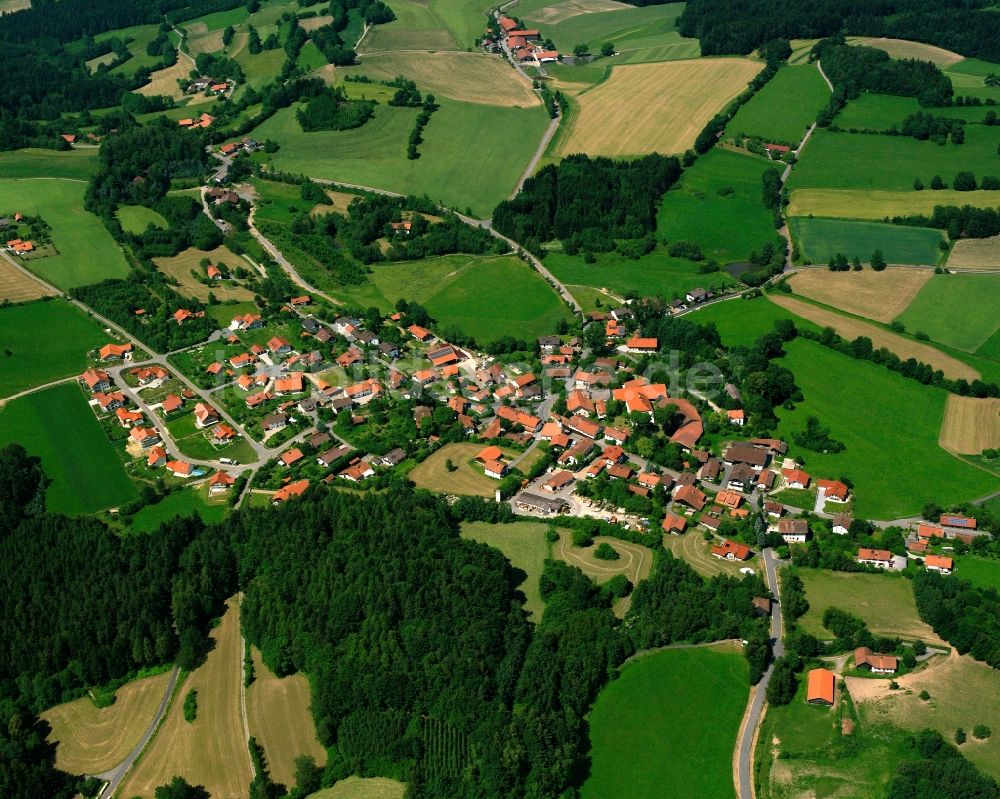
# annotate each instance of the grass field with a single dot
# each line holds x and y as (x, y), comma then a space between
(957, 687)
(136, 218)
(30, 359)
(970, 425)
(850, 328)
(981, 572)
(744, 321)
(695, 211)
(179, 268)
(634, 561)
(280, 720)
(882, 111)
(819, 240)
(503, 140)
(138, 38)
(968, 77)
(90, 740)
(35, 163)
(470, 77)
(16, 286)
(419, 26)
(975, 254)
(631, 114)
(891, 454)
(957, 310)
(86, 251)
(486, 297)
(653, 274)
(58, 426)
(662, 704)
(885, 603)
(693, 548)
(212, 750)
(865, 204)
(859, 161)
(466, 480)
(524, 545)
(881, 296)
(362, 788)
(784, 109)
(180, 503)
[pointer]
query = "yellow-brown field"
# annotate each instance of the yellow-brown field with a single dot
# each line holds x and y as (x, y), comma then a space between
(179, 268)
(311, 23)
(560, 12)
(850, 328)
(879, 204)
(17, 286)
(659, 107)
(212, 750)
(903, 48)
(280, 720)
(10, 6)
(90, 740)
(970, 425)
(466, 480)
(634, 561)
(469, 77)
(975, 254)
(164, 81)
(363, 788)
(881, 296)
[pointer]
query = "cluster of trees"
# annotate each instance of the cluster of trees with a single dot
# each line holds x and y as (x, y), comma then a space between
(763, 382)
(966, 617)
(417, 134)
(740, 26)
(407, 94)
(966, 222)
(219, 67)
(588, 202)
(329, 38)
(817, 438)
(939, 770)
(331, 110)
(923, 126)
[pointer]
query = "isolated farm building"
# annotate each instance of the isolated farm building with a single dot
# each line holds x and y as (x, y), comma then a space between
(842, 523)
(793, 531)
(796, 478)
(673, 523)
(939, 563)
(864, 658)
(731, 550)
(820, 687)
(114, 352)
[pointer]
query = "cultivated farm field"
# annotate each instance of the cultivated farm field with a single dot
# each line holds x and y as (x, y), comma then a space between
(91, 740)
(819, 240)
(785, 108)
(35, 358)
(362, 788)
(884, 602)
(970, 424)
(877, 205)
(58, 426)
(466, 480)
(850, 328)
(957, 310)
(524, 545)
(419, 26)
(634, 112)
(16, 286)
(881, 296)
(279, 718)
(212, 750)
(903, 48)
(86, 251)
(975, 254)
(664, 703)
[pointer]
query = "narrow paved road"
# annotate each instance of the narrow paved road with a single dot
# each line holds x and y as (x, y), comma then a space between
(529, 170)
(748, 732)
(115, 775)
(33, 389)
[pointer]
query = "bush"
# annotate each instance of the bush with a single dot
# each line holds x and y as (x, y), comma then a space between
(925, 696)
(960, 736)
(981, 732)
(606, 552)
(191, 706)
(582, 537)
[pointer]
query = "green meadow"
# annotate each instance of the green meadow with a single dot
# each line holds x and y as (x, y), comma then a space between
(882, 111)
(662, 704)
(967, 76)
(819, 240)
(86, 253)
(472, 155)
(136, 218)
(981, 572)
(741, 322)
(185, 502)
(38, 163)
(44, 341)
(889, 426)
(58, 426)
(862, 161)
(785, 108)
(957, 310)
(717, 205)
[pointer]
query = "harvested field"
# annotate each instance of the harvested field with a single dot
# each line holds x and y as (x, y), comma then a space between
(902, 48)
(693, 548)
(957, 686)
(470, 77)
(970, 425)
(212, 750)
(280, 720)
(179, 268)
(208, 42)
(975, 254)
(164, 81)
(90, 740)
(10, 6)
(340, 199)
(559, 12)
(466, 480)
(311, 23)
(363, 788)
(634, 561)
(877, 205)
(387, 37)
(659, 107)
(881, 296)
(17, 286)
(851, 328)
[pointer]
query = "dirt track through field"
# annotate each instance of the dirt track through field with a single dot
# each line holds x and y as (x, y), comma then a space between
(881, 296)
(634, 561)
(970, 425)
(850, 328)
(659, 107)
